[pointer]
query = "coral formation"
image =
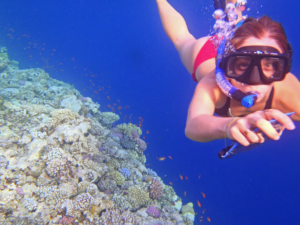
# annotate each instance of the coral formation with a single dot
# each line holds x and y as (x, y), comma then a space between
(156, 189)
(152, 211)
(125, 172)
(63, 162)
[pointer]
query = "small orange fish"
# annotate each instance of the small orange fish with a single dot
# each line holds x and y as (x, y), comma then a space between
(201, 217)
(181, 177)
(208, 219)
(96, 92)
(199, 176)
(148, 132)
(144, 137)
(120, 107)
(109, 106)
(115, 104)
(199, 204)
(170, 157)
(171, 183)
(200, 220)
(203, 211)
(140, 118)
(186, 178)
(140, 125)
(161, 158)
(108, 97)
(147, 143)
(203, 194)
(184, 193)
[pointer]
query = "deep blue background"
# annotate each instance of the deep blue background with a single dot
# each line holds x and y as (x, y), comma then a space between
(121, 46)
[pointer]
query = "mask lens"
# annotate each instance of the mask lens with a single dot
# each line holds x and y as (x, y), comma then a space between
(273, 68)
(238, 65)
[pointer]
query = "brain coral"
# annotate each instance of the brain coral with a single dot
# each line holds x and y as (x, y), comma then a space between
(57, 167)
(108, 118)
(130, 130)
(119, 178)
(139, 198)
(127, 143)
(83, 202)
(156, 189)
(107, 184)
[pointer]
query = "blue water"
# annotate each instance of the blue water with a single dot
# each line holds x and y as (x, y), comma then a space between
(121, 46)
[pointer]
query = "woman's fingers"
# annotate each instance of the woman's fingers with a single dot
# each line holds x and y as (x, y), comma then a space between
(265, 126)
(285, 120)
(245, 129)
(242, 130)
(238, 136)
(261, 121)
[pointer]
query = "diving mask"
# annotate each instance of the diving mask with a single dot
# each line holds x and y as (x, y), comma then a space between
(256, 65)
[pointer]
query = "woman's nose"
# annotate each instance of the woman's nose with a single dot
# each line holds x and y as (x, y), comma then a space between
(254, 77)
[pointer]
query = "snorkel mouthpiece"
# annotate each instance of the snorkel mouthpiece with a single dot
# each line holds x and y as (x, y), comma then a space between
(249, 100)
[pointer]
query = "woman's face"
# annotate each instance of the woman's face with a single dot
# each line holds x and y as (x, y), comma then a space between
(262, 89)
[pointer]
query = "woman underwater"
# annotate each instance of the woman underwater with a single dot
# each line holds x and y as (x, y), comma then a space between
(266, 74)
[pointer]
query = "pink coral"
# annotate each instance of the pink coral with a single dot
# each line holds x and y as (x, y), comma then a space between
(83, 99)
(66, 220)
(142, 144)
(156, 189)
(20, 191)
(135, 134)
(119, 135)
(152, 211)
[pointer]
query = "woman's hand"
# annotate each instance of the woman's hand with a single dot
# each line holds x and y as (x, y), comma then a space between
(242, 129)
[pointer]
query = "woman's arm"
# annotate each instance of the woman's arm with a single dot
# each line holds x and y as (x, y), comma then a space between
(173, 23)
(176, 29)
(202, 126)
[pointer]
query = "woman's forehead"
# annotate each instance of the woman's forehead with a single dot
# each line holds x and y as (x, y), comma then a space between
(252, 41)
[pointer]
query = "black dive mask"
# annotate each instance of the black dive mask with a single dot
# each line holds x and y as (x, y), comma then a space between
(256, 65)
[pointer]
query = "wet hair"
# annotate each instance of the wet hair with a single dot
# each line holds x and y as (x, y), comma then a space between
(260, 28)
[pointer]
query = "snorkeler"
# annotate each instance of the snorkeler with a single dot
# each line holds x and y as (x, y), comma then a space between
(256, 59)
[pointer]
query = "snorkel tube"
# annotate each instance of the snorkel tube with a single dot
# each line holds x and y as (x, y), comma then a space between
(246, 99)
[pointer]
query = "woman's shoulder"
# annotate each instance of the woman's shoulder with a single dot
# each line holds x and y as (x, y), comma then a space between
(208, 85)
(287, 94)
(290, 85)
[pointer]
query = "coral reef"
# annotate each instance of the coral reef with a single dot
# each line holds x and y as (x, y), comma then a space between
(63, 162)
